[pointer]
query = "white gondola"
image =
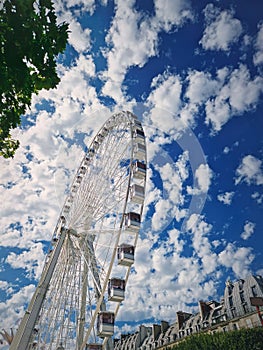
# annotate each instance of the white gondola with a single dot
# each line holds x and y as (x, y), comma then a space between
(91, 152)
(139, 135)
(100, 137)
(139, 170)
(125, 254)
(78, 179)
(70, 199)
(74, 188)
(104, 132)
(140, 151)
(132, 222)
(66, 208)
(82, 170)
(96, 145)
(137, 193)
(105, 324)
(93, 346)
(86, 161)
(137, 124)
(116, 289)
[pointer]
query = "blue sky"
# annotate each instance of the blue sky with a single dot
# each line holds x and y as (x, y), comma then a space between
(193, 73)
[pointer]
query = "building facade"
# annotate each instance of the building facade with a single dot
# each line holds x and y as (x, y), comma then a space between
(234, 311)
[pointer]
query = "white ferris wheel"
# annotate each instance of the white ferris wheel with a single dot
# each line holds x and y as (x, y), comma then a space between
(86, 272)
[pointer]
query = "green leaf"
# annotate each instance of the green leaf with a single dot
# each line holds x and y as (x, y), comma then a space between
(35, 37)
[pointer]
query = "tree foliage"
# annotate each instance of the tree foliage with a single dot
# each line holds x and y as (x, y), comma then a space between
(30, 40)
(243, 339)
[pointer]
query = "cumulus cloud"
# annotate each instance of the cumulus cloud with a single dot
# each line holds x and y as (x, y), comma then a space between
(169, 204)
(258, 197)
(171, 13)
(79, 38)
(203, 176)
(133, 38)
(238, 94)
(12, 310)
(258, 56)
(222, 29)
(129, 46)
(165, 100)
(249, 228)
(226, 197)
(250, 171)
(201, 86)
(237, 258)
(31, 260)
(201, 244)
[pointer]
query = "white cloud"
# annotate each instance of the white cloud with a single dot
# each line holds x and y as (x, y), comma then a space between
(258, 56)
(165, 99)
(68, 10)
(129, 46)
(250, 171)
(133, 38)
(239, 94)
(243, 92)
(12, 310)
(31, 260)
(258, 197)
(203, 176)
(226, 197)
(172, 13)
(222, 29)
(84, 5)
(201, 86)
(79, 38)
(201, 244)
(238, 259)
(249, 228)
(171, 201)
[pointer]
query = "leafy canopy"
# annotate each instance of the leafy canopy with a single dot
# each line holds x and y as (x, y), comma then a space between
(30, 40)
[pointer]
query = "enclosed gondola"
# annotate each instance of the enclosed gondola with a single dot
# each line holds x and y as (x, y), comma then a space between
(116, 289)
(125, 255)
(132, 222)
(139, 170)
(93, 346)
(137, 193)
(139, 135)
(140, 151)
(105, 324)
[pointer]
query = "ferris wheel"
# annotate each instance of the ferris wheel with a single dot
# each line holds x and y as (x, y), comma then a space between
(85, 275)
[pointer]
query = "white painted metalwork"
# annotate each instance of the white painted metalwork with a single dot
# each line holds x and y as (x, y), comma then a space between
(101, 213)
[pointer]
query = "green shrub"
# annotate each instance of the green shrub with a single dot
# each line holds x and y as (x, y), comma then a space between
(244, 339)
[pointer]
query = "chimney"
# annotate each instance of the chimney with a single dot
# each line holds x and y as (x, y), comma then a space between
(156, 331)
(164, 326)
(204, 309)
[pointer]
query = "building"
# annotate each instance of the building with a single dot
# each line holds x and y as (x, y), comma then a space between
(233, 312)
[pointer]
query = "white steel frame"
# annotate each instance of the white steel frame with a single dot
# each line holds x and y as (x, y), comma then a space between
(72, 289)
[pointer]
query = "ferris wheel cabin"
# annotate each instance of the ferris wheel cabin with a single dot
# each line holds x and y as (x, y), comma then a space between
(93, 346)
(105, 324)
(140, 150)
(139, 135)
(137, 193)
(116, 289)
(132, 222)
(125, 255)
(139, 170)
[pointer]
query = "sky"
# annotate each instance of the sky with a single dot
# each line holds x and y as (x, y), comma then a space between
(192, 71)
